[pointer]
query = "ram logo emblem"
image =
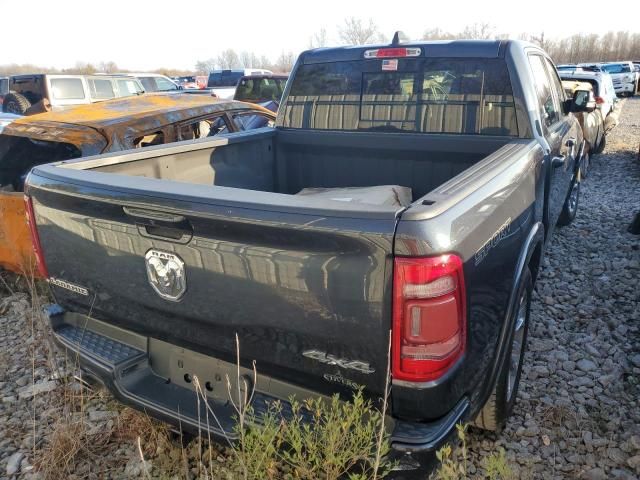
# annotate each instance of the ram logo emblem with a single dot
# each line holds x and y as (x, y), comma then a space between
(166, 274)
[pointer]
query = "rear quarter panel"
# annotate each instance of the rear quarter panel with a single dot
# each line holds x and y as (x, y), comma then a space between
(494, 211)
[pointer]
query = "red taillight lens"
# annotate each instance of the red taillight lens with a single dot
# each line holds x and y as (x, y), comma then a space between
(35, 239)
(429, 316)
(599, 100)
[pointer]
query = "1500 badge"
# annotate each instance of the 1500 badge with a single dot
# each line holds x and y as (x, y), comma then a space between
(324, 357)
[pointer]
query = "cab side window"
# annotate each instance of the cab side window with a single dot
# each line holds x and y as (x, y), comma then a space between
(547, 101)
(556, 84)
(206, 127)
(149, 140)
(251, 121)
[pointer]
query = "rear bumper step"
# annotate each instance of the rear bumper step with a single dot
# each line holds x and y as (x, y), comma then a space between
(122, 364)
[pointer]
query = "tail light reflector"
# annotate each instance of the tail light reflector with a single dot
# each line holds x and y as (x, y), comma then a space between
(599, 100)
(429, 316)
(35, 238)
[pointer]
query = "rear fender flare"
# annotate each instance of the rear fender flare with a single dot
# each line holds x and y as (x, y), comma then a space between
(534, 239)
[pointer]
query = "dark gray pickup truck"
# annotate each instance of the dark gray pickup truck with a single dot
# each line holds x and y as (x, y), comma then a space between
(407, 189)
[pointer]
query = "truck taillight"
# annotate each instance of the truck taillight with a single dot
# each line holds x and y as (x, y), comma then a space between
(599, 100)
(35, 238)
(429, 316)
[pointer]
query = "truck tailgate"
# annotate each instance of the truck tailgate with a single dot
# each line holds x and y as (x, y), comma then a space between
(308, 294)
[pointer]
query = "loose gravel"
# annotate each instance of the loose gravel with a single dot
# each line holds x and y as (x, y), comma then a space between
(578, 413)
(578, 410)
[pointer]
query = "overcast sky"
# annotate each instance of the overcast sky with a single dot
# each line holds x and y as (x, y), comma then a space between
(153, 34)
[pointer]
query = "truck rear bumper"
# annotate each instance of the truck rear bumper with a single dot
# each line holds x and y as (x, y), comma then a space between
(119, 360)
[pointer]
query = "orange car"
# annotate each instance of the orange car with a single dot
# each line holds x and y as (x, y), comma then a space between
(110, 126)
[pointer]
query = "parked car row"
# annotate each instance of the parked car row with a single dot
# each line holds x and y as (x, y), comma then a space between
(625, 76)
(29, 94)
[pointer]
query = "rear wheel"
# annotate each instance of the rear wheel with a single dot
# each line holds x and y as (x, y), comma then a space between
(570, 208)
(600, 147)
(495, 412)
(585, 164)
(15, 103)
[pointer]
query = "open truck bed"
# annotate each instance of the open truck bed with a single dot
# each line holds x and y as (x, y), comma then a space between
(159, 258)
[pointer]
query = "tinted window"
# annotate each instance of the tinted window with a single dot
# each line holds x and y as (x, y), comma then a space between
(101, 88)
(226, 78)
(258, 90)
(67, 89)
(441, 95)
(148, 84)
(617, 68)
(4, 86)
(556, 84)
(546, 102)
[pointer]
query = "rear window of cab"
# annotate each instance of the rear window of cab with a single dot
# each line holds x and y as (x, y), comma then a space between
(425, 95)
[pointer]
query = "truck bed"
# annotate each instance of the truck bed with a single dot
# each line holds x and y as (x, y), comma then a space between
(286, 162)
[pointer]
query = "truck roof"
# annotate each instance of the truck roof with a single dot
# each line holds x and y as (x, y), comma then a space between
(435, 48)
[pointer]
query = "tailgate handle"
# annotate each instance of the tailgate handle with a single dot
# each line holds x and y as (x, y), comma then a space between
(161, 225)
(153, 215)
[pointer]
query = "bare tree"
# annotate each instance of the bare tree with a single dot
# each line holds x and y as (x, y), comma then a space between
(229, 59)
(319, 39)
(285, 62)
(479, 31)
(265, 62)
(205, 66)
(437, 34)
(82, 68)
(108, 67)
(356, 32)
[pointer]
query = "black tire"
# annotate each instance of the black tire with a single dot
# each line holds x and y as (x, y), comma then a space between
(15, 103)
(585, 164)
(499, 407)
(600, 147)
(570, 207)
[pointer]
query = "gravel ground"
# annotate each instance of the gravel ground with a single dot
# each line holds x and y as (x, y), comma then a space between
(578, 414)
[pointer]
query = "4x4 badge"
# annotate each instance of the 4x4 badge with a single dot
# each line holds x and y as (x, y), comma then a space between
(358, 365)
(166, 274)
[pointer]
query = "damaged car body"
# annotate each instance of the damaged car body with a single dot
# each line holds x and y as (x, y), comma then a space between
(109, 126)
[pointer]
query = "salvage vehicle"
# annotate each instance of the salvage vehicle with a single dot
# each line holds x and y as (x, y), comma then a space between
(602, 89)
(111, 126)
(624, 77)
(223, 82)
(265, 90)
(4, 88)
(591, 121)
(6, 119)
(31, 94)
(406, 196)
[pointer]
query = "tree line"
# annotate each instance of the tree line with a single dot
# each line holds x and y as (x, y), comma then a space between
(580, 47)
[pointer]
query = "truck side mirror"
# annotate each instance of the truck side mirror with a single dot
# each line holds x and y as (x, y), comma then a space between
(583, 101)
